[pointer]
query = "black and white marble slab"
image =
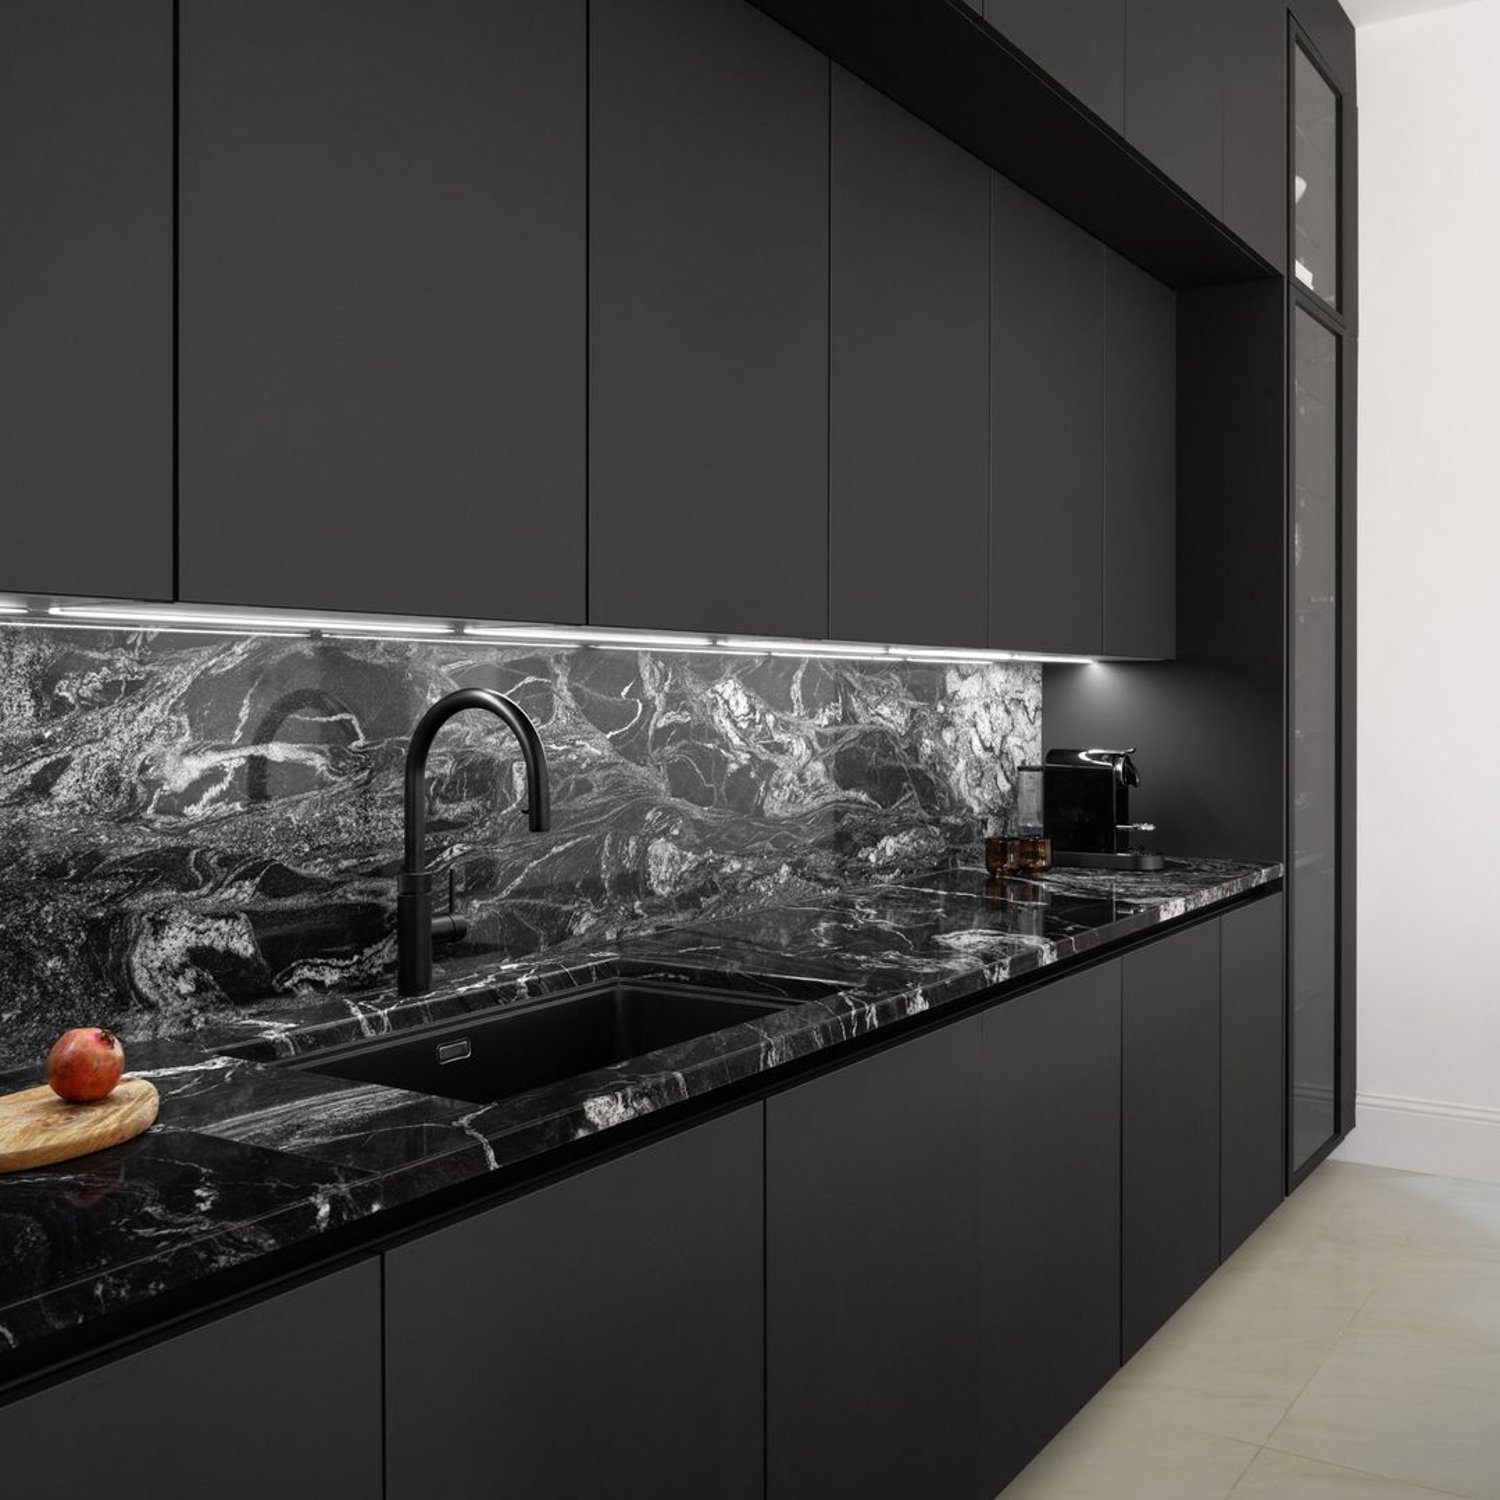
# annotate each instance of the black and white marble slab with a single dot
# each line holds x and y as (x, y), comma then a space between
(253, 1154)
(194, 824)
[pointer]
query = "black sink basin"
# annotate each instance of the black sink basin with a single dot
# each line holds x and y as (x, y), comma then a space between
(490, 1057)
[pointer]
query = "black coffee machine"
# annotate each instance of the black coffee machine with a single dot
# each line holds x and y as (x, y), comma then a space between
(1086, 810)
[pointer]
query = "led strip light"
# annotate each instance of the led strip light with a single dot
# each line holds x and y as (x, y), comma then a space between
(195, 620)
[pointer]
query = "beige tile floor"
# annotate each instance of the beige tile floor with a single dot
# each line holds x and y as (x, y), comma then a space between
(1349, 1350)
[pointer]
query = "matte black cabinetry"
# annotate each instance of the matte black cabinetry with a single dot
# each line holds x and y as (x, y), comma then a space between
(279, 1398)
(1047, 420)
(1081, 43)
(382, 299)
(1252, 1107)
(1169, 1128)
(1174, 91)
(86, 297)
(1255, 117)
(872, 1276)
(908, 386)
(1050, 1202)
(708, 320)
(599, 1336)
(1140, 444)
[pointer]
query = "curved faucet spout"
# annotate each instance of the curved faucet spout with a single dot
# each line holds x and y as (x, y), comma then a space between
(414, 924)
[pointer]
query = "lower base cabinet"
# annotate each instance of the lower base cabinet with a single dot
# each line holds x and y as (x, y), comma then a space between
(1169, 1120)
(601, 1336)
(1252, 1109)
(1050, 1204)
(872, 1277)
(278, 1398)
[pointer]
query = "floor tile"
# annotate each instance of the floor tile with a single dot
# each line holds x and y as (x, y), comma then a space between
(1112, 1455)
(1412, 1404)
(1281, 1476)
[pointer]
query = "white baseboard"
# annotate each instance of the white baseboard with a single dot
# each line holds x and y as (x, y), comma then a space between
(1425, 1135)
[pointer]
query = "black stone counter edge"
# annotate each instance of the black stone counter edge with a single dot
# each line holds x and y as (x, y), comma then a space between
(46, 1360)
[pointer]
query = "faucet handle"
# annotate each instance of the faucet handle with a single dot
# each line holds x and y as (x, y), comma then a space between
(451, 928)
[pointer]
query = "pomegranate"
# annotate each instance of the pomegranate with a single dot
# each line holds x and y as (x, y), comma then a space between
(85, 1064)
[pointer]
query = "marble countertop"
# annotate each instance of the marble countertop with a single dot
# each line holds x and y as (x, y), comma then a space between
(251, 1157)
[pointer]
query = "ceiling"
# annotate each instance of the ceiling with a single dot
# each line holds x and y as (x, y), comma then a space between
(1366, 12)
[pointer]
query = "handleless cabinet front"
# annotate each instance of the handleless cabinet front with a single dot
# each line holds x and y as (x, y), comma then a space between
(909, 428)
(708, 320)
(599, 1336)
(382, 288)
(1050, 1196)
(281, 1397)
(1169, 1195)
(1081, 43)
(872, 1276)
(86, 297)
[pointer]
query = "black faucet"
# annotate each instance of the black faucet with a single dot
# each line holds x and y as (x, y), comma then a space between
(415, 926)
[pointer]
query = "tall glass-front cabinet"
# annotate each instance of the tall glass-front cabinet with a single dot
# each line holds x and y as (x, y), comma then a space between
(1320, 808)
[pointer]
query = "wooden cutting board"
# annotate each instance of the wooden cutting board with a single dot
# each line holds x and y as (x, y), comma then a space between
(37, 1128)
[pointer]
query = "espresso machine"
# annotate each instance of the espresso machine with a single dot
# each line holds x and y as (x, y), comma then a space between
(1086, 810)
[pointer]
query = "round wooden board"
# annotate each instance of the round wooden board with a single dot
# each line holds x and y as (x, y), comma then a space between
(37, 1128)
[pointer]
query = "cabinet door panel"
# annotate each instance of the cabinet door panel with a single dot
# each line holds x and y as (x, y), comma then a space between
(382, 305)
(908, 370)
(708, 375)
(1051, 1212)
(1255, 145)
(1081, 43)
(872, 1245)
(1140, 508)
(86, 297)
(1174, 91)
(601, 1336)
(1170, 1128)
(1253, 1106)
(1047, 429)
(279, 1398)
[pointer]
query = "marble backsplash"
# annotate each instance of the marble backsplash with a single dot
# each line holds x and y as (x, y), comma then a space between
(193, 823)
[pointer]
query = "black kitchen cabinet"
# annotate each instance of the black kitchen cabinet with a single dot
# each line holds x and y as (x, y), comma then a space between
(1050, 1198)
(602, 1335)
(1081, 43)
(1140, 508)
(1255, 121)
(86, 297)
(708, 320)
(1252, 1107)
(1047, 429)
(908, 405)
(1174, 91)
(279, 1398)
(1169, 1232)
(382, 291)
(872, 1284)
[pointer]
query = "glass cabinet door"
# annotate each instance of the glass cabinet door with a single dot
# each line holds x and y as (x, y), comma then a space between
(1313, 877)
(1315, 210)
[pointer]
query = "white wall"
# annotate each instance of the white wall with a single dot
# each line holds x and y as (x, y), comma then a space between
(1429, 593)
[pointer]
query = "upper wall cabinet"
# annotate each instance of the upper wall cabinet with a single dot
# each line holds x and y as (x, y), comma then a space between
(1140, 511)
(382, 282)
(909, 436)
(1081, 43)
(1255, 116)
(708, 307)
(1174, 91)
(86, 297)
(1047, 457)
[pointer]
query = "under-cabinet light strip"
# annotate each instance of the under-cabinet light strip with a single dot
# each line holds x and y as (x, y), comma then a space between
(167, 617)
(284, 623)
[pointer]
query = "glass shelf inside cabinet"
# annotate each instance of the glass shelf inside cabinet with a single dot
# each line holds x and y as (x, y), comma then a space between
(1316, 181)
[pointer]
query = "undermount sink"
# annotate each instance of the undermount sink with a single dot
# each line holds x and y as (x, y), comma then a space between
(484, 1058)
